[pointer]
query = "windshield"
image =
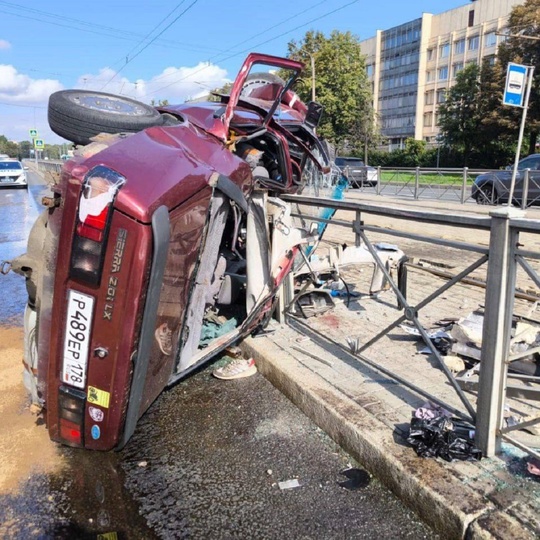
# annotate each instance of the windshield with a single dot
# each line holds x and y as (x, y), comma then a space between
(349, 162)
(5, 165)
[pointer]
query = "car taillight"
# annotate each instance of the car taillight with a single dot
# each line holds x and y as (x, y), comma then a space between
(99, 189)
(71, 415)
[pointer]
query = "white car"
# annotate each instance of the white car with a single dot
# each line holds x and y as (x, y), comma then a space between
(358, 174)
(13, 174)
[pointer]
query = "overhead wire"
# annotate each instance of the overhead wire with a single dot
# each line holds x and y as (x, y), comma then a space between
(154, 38)
(254, 46)
(216, 56)
(92, 28)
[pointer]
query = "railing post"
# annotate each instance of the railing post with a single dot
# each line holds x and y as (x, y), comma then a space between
(378, 187)
(464, 184)
(416, 182)
(525, 197)
(499, 303)
(285, 296)
(357, 228)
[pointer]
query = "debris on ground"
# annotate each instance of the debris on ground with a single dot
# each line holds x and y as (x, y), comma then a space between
(315, 302)
(459, 341)
(356, 479)
(289, 484)
(533, 466)
(448, 438)
(429, 411)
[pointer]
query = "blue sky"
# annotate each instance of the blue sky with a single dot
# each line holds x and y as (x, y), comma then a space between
(114, 45)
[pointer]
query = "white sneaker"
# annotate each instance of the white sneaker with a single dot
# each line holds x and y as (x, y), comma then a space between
(236, 369)
(164, 338)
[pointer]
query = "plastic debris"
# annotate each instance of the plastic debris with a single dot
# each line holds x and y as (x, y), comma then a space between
(533, 466)
(430, 410)
(454, 363)
(313, 303)
(448, 438)
(356, 479)
(289, 484)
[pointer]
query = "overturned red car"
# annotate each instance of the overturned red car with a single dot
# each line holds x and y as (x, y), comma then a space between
(165, 242)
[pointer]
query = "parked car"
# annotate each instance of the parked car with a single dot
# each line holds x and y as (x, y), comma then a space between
(165, 242)
(358, 174)
(4, 156)
(12, 174)
(494, 187)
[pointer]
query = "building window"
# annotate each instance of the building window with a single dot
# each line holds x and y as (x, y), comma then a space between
(441, 95)
(428, 119)
(458, 66)
(471, 18)
(444, 50)
(443, 73)
(459, 46)
(369, 70)
(428, 98)
(474, 42)
(430, 55)
(490, 39)
(490, 60)
(429, 76)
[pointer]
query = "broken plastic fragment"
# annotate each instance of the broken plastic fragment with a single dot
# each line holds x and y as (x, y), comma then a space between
(533, 466)
(289, 484)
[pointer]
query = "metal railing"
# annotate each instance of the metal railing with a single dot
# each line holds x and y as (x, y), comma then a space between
(500, 261)
(452, 184)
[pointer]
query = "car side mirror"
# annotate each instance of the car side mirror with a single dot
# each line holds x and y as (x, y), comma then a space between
(25, 168)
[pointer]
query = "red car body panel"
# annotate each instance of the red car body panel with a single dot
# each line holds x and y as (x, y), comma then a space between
(173, 171)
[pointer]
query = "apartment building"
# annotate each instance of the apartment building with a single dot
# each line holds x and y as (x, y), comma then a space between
(411, 66)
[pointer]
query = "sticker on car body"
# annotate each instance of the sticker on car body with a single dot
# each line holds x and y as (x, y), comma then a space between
(80, 310)
(99, 397)
(96, 414)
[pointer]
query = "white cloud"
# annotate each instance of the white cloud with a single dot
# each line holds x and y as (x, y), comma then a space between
(173, 84)
(18, 88)
(23, 100)
(4, 44)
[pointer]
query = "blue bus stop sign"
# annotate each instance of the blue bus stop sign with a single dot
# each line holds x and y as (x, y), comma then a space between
(516, 85)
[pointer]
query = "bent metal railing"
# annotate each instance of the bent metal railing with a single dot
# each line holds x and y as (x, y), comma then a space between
(501, 260)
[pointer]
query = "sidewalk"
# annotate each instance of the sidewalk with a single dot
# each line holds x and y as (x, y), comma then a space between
(368, 414)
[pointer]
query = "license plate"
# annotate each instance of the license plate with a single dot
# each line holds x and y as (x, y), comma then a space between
(78, 325)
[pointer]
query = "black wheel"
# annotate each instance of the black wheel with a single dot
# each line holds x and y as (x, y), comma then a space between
(256, 80)
(487, 195)
(79, 115)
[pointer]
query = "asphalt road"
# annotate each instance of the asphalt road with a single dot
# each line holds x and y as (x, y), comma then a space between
(206, 461)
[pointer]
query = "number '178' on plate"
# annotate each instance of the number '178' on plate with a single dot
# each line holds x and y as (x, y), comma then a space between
(80, 310)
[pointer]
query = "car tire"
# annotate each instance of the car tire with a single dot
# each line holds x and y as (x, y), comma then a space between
(79, 115)
(256, 80)
(487, 194)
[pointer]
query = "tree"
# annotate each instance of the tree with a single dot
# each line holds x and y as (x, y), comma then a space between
(159, 102)
(524, 22)
(8, 147)
(224, 90)
(341, 84)
(459, 116)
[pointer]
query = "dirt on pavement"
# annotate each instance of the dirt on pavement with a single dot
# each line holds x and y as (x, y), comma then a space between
(25, 448)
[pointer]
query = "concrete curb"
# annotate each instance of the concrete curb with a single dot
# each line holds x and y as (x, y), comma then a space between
(438, 496)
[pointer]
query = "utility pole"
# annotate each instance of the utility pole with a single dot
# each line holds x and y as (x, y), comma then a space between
(312, 76)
